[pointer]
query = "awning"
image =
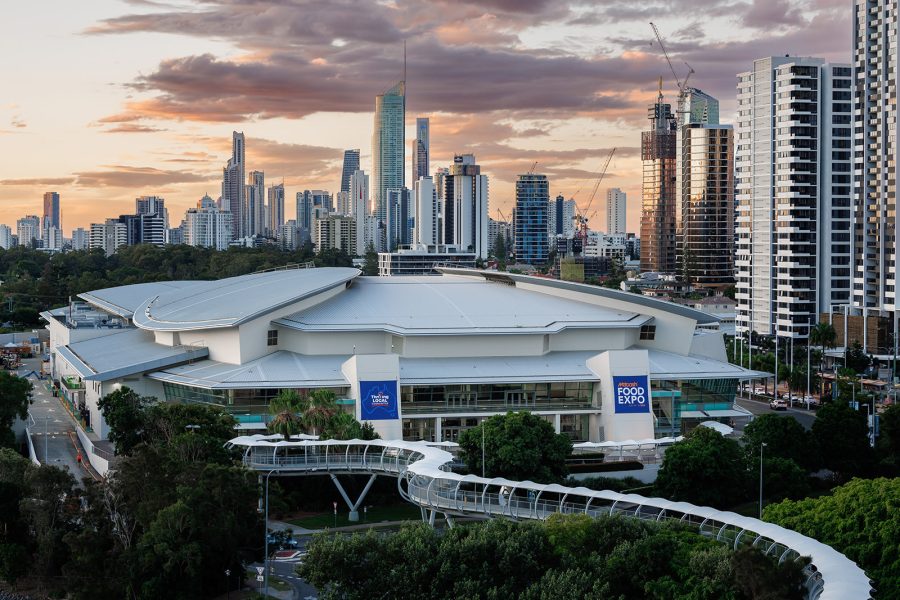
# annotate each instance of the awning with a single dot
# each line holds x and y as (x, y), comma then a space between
(693, 414)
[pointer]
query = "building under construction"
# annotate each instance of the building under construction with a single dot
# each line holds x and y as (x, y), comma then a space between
(658, 190)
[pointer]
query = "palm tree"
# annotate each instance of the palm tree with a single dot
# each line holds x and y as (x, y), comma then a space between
(320, 407)
(342, 426)
(822, 334)
(286, 409)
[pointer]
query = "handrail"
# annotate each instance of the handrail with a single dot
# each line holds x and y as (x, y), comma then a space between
(423, 468)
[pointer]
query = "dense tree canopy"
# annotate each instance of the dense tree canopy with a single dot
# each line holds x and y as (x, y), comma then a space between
(784, 437)
(518, 446)
(705, 468)
(841, 435)
(14, 402)
(568, 557)
(860, 519)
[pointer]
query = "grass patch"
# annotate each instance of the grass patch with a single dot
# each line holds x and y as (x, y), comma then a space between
(375, 514)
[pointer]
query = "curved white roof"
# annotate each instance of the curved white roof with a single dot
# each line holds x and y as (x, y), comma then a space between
(235, 300)
(124, 299)
(453, 305)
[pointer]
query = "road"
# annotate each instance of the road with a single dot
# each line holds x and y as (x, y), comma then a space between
(761, 407)
(53, 430)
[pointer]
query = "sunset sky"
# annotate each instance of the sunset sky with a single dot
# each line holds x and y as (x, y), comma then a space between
(107, 100)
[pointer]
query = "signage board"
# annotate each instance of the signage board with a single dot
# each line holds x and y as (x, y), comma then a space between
(632, 394)
(378, 400)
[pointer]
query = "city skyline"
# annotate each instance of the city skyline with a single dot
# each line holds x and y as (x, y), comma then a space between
(548, 82)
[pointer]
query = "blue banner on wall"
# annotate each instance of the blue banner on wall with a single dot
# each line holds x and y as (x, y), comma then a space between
(632, 393)
(378, 400)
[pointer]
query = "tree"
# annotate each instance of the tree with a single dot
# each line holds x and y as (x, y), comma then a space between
(889, 440)
(823, 335)
(841, 435)
(286, 409)
(857, 359)
(705, 468)
(319, 407)
(859, 519)
(784, 437)
(343, 426)
(371, 266)
(125, 412)
(518, 445)
(14, 402)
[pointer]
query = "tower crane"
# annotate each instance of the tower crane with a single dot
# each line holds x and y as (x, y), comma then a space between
(683, 88)
(581, 217)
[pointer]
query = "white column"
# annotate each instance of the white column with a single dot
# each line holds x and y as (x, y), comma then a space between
(556, 422)
(438, 429)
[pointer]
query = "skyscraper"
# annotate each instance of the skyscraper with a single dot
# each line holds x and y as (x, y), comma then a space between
(304, 210)
(421, 150)
(532, 205)
(6, 237)
(425, 214)
(351, 165)
(875, 24)
(255, 204)
(275, 210)
(658, 190)
(28, 229)
(560, 218)
(704, 193)
(466, 206)
(792, 163)
(388, 149)
(81, 239)
(359, 206)
(152, 205)
(615, 211)
(233, 184)
(207, 226)
(51, 210)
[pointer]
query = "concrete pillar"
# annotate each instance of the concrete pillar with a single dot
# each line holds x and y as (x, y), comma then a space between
(438, 426)
(556, 422)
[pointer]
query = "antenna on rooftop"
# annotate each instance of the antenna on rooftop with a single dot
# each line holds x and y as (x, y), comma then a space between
(404, 61)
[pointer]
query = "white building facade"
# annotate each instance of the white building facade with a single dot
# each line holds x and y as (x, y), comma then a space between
(793, 181)
(615, 211)
(421, 358)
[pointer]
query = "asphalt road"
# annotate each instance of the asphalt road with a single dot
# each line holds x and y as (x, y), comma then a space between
(53, 430)
(761, 407)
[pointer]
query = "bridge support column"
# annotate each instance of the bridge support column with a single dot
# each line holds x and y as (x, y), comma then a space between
(354, 507)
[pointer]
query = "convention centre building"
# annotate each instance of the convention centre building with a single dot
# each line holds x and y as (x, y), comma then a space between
(421, 357)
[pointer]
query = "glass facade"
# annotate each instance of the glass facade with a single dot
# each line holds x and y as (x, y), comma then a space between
(496, 397)
(532, 218)
(388, 146)
(672, 398)
(658, 191)
(250, 403)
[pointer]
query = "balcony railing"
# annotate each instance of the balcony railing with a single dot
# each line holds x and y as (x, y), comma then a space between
(466, 404)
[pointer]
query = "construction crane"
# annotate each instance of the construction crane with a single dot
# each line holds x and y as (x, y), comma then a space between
(683, 88)
(533, 167)
(581, 218)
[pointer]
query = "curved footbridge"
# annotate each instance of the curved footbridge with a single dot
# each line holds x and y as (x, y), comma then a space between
(425, 479)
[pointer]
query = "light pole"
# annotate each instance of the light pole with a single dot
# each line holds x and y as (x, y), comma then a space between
(482, 449)
(228, 584)
(761, 446)
(266, 536)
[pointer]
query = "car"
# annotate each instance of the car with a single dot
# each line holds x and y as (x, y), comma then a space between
(810, 401)
(778, 404)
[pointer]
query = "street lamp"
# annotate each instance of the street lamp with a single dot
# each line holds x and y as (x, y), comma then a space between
(761, 446)
(228, 583)
(266, 535)
(192, 428)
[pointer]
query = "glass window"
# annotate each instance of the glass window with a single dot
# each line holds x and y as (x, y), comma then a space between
(272, 337)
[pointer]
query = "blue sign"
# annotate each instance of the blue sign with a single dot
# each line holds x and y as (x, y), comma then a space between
(632, 394)
(378, 400)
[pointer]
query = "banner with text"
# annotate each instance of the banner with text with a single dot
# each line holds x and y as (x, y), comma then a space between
(632, 393)
(378, 400)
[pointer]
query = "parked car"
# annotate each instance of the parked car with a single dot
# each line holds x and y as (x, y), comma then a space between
(778, 404)
(811, 401)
